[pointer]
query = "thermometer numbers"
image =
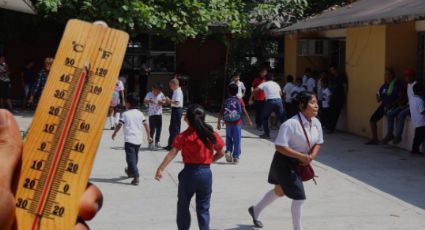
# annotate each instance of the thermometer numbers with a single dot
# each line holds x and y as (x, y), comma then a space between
(58, 211)
(22, 203)
(59, 94)
(101, 72)
(37, 165)
(49, 128)
(90, 108)
(69, 62)
(94, 89)
(29, 183)
(72, 167)
(66, 78)
(55, 111)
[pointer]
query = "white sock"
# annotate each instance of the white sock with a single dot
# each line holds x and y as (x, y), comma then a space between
(296, 209)
(267, 200)
(111, 121)
(117, 118)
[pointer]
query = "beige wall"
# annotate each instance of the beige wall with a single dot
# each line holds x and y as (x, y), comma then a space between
(291, 49)
(365, 66)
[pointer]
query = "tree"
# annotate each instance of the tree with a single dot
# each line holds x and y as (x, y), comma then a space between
(177, 19)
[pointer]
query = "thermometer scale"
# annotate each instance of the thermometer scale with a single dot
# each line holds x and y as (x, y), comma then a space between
(62, 141)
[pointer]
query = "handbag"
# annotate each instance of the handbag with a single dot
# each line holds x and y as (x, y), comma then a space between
(305, 172)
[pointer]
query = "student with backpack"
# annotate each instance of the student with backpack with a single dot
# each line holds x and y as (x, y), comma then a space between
(231, 113)
(197, 144)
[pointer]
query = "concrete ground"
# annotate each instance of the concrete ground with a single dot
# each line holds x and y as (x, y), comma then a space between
(359, 187)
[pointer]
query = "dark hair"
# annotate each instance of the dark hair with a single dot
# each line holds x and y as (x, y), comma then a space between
(391, 72)
(290, 78)
(269, 77)
(132, 100)
(158, 86)
(325, 81)
(418, 88)
(195, 115)
(302, 99)
(307, 70)
(232, 89)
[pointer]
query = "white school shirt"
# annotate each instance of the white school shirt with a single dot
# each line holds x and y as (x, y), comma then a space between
(241, 88)
(132, 121)
(177, 96)
(291, 134)
(326, 97)
(416, 109)
(410, 93)
(271, 90)
(154, 107)
(288, 89)
(305, 79)
(311, 84)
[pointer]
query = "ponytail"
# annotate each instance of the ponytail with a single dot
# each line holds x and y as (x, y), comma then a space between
(196, 117)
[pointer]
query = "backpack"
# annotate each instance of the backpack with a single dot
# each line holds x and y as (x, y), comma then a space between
(232, 109)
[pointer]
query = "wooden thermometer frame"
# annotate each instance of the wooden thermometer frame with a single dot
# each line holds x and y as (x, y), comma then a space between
(62, 141)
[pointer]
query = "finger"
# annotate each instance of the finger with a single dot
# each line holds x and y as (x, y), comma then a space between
(10, 153)
(81, 225)
(10, 147)
(91, 202)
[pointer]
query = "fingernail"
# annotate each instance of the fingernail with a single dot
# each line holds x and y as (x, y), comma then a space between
(3, 117)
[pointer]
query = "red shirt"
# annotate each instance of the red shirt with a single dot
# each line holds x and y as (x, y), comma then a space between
(240, 120)
(193, 149)
(258, 95)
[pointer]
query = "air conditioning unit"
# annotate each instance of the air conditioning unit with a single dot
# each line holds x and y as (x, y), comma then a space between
(313, 47)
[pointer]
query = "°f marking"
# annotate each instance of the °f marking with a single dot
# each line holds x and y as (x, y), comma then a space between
(59, 148)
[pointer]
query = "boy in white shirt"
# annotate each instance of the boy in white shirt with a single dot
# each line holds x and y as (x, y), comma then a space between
(155, 99)
(134, 122)
(287, 93)
(176, 103)
(241, 86)
(326, 99)
(418, 118)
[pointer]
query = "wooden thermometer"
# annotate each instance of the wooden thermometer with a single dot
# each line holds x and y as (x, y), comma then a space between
(63, 138)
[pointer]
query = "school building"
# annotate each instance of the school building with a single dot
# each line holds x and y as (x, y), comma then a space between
(362, 39)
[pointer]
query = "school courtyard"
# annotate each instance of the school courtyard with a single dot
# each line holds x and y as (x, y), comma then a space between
(359, 187)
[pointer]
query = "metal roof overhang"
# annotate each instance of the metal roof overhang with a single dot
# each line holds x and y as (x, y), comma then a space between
(24, 6)
(361, 13)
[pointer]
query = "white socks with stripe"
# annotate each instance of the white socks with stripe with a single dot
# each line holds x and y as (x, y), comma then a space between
(266, 201)
(296, 209)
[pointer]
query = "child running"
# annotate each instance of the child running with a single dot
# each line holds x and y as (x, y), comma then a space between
(133, 122)
(155, 99)
(197, 144)
(231, 113)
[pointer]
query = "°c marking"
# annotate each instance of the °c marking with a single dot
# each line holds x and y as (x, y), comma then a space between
(77, 47)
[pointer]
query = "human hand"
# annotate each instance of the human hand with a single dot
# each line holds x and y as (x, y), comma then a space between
(250, 124)
(150, 140)
(10, 155)
(114, 135)
(158, 175)
(306, 159)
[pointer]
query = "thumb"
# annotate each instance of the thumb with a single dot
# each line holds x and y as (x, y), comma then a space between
(10, 153)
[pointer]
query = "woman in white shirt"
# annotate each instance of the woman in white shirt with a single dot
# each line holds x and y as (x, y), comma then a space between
(292, 148)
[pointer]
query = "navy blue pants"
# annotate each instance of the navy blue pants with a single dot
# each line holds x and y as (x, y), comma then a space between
(194, 180)
(132, 157)
(233, 140)
(155, 125)
(175, 124)
(272, 105)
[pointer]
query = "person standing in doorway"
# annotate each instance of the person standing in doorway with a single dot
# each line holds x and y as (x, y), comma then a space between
(176, 102)
(28, 79)
(5, 84)
(298, 142)
(338, 84)
(258, 97)
(200, 147)
(155, 100)
(40, 82)
(134, 122)
(273, 95)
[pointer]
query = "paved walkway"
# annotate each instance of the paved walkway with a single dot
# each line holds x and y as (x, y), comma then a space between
(360, 188)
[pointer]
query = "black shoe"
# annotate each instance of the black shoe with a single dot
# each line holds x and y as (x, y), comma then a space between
(135, 181)
(112, 128)
(257, 223)
(397, 141)
(265, 136)
(168, 148)
(372, 142)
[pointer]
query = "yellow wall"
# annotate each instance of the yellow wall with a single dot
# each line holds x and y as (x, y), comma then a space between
(291, 54)
(365, 66)
(401, 46)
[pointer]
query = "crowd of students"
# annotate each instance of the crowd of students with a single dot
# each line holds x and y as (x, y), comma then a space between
(399, 98)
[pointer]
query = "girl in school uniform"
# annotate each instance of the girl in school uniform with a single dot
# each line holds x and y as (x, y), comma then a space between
(200, 146)
(293, 147)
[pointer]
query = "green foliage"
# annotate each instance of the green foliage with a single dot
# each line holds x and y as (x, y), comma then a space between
(178, 19)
